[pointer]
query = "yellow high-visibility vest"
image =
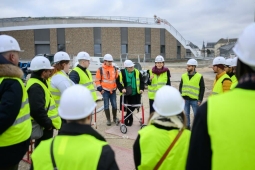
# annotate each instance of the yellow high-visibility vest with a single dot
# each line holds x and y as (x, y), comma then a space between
(70, 152)
(21, 128)
(156, 83)
(52, 112)
(86, 81)
(230, 121)
(153, 144)
(190, 87)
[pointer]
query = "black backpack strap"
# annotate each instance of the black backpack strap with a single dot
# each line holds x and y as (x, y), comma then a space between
(226, 79)
(52, 156)
(101, 72)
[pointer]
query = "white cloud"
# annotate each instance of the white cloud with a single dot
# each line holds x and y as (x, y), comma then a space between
(196, 20)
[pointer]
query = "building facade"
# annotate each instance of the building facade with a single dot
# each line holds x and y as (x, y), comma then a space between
(121, 40)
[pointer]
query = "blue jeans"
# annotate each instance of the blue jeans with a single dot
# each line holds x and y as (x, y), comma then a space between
(193, 104)
(106, 96)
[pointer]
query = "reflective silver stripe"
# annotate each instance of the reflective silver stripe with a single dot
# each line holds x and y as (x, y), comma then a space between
(21, 119)
(189, 92)
(108, 89)
(52, 117)
(192, 87)
(52, 107)
(57, 101)
(215, 93)
(108, 81)
(161, 83)
(153, 85)
(93, 90)
(87, 84)
(56, 93)
(153, 91)
(137, 79)
(24, 103)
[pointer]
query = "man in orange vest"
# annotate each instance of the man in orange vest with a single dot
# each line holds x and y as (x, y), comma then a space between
(106, 83)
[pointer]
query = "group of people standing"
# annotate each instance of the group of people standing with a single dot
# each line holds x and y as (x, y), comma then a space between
(221, 138)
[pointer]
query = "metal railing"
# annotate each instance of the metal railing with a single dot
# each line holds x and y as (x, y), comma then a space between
(26, 21)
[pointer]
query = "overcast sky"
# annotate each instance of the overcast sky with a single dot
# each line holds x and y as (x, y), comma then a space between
(196, 20)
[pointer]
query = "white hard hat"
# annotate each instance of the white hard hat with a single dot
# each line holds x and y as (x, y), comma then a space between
(76, 103)
(245, 46)
(8, 43)
(60, 56)
(108, 57)
(128, 63)
(40, 63)
(234, 62)
(168, 101)
(192, 62)
(229, 62)
(159, 58)
(219, 60)
(83, 56)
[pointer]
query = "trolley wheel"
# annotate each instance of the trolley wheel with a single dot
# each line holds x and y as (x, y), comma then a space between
(143, 126)
(123, 129)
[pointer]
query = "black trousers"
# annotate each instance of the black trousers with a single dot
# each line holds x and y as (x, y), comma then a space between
(47, 134)
(151, 101)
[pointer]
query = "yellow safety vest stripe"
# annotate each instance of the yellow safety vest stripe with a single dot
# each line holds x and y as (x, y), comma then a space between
(230, 120)
(69, 153)
(86, 81)
(52, 112)
(153, 144)
(156, 83)
(21, 128)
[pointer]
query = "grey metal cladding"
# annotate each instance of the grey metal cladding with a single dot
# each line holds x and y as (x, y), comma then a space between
(61, 35)
(148, 36)
(42, 34)
(124, 35)
(162, 36)
(97, 35)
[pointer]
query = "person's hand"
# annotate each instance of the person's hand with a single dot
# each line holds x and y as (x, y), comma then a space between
(198, 103)
(102, 92)
(141, 91)
(123, 90)
(151, 77)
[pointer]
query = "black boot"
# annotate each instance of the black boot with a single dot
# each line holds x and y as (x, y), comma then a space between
(107, 114)
(130, 120)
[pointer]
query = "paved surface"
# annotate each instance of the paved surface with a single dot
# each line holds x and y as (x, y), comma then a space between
(119, 142)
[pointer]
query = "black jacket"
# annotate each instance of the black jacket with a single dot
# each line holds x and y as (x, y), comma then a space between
(107, 158)
(74, 76)
(201, 92)
(200, 153)
(10, 103)
(36, 96)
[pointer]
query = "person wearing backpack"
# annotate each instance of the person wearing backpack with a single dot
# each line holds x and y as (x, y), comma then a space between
(164, 142)
(106, 84)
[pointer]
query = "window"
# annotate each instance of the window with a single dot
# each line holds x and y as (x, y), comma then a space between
(147, 49)
(162, 49)
(124, 48)
(97, 49)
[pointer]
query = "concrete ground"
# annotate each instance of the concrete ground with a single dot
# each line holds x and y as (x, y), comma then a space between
(122, 143)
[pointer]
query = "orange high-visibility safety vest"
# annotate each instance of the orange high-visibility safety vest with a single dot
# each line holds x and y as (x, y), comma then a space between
(107, 79)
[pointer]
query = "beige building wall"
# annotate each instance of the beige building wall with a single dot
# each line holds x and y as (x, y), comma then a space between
(110, 38)
(25, 39)
(155, 42)
(79, 39)
(170, 45)
(53, 41)
(136, 42)
(183, 51)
